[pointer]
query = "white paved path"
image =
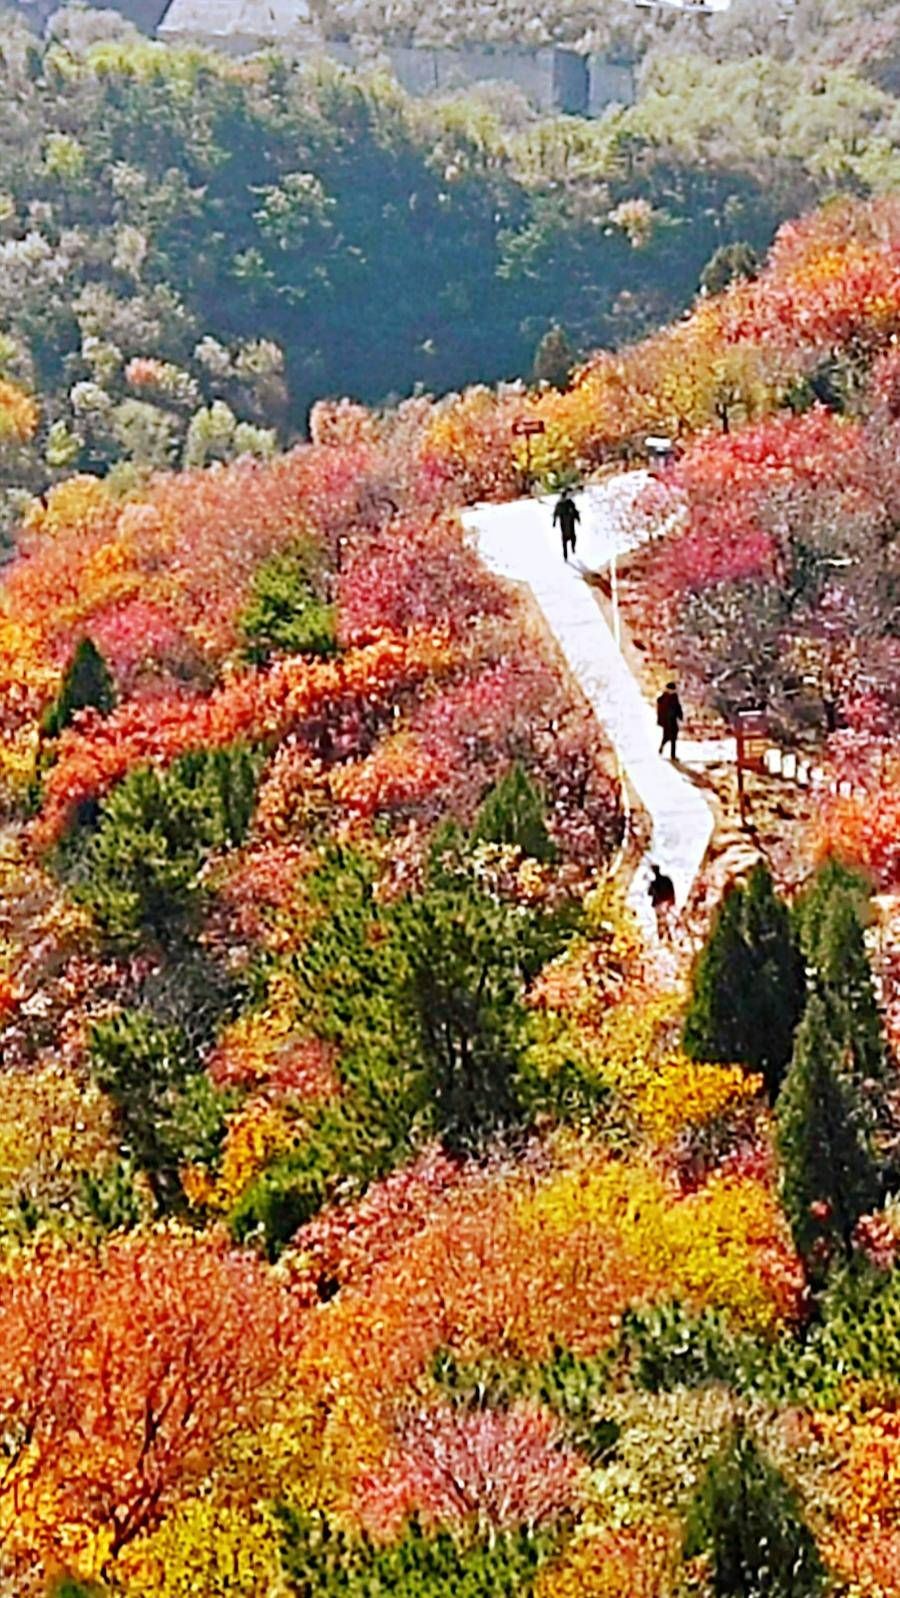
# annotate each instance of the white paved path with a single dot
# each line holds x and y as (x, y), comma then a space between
(519, 541)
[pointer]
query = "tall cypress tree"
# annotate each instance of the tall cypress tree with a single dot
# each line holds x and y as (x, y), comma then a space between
(829, 1174)
(714, 1027)
(86, 682)
(778, 986)
(748, 984)
(843, 977)
(809, 907)
(747, 1520)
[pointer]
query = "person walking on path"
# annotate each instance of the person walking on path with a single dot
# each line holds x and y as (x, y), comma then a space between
(662, 897)
(668, 715)
(566, 516)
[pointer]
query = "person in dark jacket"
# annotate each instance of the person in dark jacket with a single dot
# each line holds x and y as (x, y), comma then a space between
(669, 715)
(662, 897)
(566, 517)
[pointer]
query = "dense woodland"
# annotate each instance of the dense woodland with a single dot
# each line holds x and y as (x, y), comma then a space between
(379, 1209)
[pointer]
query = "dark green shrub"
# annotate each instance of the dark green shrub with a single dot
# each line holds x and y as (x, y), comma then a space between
(169, 1113)
(286, 613)
(140, 870)
(87, 682)
(281, 1199)
(669, 1346)
(514, 813)
(747, 1520)
(319, 1559)
(110, 1198)
(423, 998)
(462, 991)
(855, 1340)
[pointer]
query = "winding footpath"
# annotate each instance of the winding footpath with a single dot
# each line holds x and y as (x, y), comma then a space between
(518, 541)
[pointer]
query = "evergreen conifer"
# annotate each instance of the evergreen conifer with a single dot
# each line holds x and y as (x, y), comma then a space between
(809, 908)
(513, 813)
(746, 1519)
(843, 977)
(774, 1005)
(86, 682)
(829, 1175)
(748, 984)
(714, 1025)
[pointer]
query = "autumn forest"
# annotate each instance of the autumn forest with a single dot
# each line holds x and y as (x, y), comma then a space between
(387, 1203)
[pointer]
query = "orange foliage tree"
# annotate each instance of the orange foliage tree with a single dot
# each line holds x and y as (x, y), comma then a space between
(98, 752)
(122, 1371)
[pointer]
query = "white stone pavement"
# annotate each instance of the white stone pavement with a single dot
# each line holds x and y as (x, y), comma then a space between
(519, 541)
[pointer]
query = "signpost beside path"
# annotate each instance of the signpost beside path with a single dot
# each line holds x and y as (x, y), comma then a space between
(528, 427)
(752, 733)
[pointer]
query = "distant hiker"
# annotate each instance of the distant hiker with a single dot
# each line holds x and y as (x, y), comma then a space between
(668, 715)
(662, 897)
(566, 517)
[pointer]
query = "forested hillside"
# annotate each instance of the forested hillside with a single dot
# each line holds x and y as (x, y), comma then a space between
(381, 1209)
(375, 1208)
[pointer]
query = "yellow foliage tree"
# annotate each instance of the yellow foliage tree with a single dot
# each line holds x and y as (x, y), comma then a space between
(19, 414)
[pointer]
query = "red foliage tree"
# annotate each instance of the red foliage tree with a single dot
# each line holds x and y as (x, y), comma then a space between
(416, 574)
(494, 1469)
(96, 753)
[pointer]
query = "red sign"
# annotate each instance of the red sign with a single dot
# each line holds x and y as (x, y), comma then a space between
(752, 732)
(528, 427)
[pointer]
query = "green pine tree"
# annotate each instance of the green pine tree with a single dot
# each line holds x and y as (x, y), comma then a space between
(748, 984)
(319, 1558)
(145, 1068)
(746, 1518)
(843, 977)
(140, 869)
(714, 1027)
(810, 906)
(463, 989)
(829, 1175)
(87, 682)
(514, 812)
(286, 613)
(778, 986)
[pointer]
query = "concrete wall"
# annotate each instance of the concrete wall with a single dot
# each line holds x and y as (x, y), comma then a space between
(237, 27)
(571, 87)
(609, 84)
(553, 79)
